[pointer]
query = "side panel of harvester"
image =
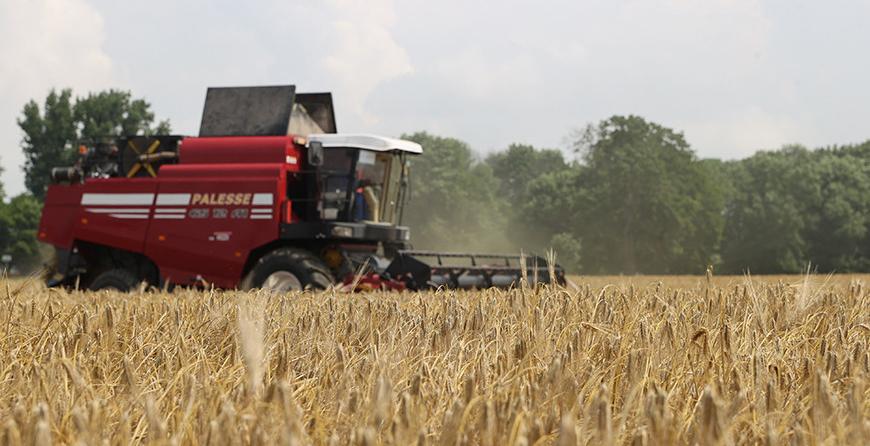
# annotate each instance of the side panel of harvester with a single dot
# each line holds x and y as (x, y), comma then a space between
(113, 212)
(223, 200)
(207, 219)
(60, 215)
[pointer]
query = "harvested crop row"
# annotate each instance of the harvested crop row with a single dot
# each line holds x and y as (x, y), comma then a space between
(710, 364)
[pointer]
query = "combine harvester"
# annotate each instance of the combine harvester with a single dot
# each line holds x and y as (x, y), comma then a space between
(267, 196)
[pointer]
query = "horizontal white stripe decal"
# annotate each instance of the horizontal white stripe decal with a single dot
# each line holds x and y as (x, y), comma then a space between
(170, 216)
(262, 199)
(173, 199)
(261, 217)
(138, 216)
(262, 210)
(170, 210)
(117, 199)
(108, 210)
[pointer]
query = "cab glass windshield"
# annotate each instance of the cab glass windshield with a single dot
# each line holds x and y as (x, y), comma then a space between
(377, 187)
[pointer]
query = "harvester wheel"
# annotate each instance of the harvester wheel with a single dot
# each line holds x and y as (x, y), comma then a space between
(288, 269)
(115, 279)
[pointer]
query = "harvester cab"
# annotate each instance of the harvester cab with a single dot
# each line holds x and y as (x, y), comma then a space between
(267, 196)
(346, 178)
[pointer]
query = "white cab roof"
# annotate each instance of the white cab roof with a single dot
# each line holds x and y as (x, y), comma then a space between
(365, 142)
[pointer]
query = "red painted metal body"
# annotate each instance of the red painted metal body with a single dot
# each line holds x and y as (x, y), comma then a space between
(198, 220)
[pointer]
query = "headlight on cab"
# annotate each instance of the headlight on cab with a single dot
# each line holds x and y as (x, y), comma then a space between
(342, 231)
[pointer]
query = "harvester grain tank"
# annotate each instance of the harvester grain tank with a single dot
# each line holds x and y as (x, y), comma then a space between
(267, 196)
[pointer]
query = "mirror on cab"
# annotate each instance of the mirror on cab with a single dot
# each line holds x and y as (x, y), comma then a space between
(315, 153)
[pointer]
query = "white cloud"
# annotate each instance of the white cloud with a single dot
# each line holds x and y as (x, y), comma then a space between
(363, 53)
(45, 44)
(740, 133)
(514, 71)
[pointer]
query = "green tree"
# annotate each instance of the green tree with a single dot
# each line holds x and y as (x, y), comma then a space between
(837, 236)
(794, 207)
(519, 165)
(550, 216)
(765, 220)
(115, 113)
(515, 169)
(452, 204)
(650, 205)
(51, 133)
(48, 137)
(19, 221)
(2, 192)
(568, 251)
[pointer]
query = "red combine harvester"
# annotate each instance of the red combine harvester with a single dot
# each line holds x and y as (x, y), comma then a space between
(268, 196)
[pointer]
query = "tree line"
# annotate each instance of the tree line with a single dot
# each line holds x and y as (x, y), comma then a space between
(630, 197)
(635, 199)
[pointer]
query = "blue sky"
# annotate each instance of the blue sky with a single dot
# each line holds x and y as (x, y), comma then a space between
(735, 76)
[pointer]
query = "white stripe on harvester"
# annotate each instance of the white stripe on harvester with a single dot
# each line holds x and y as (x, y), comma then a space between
(117, 199)
(130, 216)
(170, 216)
(262, 199)
(110, 210)
(262, 210)
(173, 199)
(170, 210)
(261, 217)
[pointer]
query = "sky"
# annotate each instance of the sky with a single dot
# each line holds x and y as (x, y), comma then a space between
(735, 76)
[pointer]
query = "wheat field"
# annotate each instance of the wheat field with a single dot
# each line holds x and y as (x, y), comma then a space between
(640, 361)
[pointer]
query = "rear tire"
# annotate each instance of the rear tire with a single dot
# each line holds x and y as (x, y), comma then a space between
(288, 269)
(115, 279)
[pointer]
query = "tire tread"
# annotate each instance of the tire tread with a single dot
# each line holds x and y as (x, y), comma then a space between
(114, 278)
(306, 261)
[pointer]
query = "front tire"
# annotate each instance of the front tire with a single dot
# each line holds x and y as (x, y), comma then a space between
(115, 279)
(288, 269)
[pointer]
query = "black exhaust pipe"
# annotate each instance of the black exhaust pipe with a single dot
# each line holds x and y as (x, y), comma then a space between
(66, 175)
